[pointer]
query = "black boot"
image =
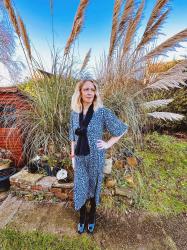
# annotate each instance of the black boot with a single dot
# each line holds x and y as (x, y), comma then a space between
(82, 219)
(91, 217)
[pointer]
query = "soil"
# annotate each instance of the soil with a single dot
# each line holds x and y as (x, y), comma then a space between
(134, 231)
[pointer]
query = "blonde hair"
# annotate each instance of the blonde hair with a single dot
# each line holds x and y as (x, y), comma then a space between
(76, 104)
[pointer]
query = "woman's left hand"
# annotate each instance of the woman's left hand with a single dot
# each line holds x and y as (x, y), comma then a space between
(102, 144)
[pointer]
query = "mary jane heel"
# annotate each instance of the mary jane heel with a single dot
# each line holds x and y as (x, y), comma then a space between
(91, 227)
(81, 228)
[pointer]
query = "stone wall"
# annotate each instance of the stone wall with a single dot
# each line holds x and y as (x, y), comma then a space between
(39, 187)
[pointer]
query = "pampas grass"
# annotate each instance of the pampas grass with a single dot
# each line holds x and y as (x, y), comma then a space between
(18, 24)
(77, 25)
(132, 28)
(169, 45)
(86, 60)
(128, 9)
(125, 78)
(12, 16)
(7, 4)
(172, 78)
(166, 116)
(47, 120)
(24, 36)
(157, 103)
(8, 47)
(115, 21)
(152, 32)
(155, 22)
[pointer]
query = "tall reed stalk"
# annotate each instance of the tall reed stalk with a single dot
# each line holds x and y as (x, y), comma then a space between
(124, 73)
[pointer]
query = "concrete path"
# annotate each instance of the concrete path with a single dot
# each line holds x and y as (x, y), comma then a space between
(133, 232)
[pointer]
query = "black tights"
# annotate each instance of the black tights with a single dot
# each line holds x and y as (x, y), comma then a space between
(82, 214)
(91, 213)
(92, 210)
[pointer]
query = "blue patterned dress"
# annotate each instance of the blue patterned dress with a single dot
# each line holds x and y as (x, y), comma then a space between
(88, 173)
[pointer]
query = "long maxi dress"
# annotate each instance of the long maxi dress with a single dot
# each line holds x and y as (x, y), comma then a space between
(88, 172)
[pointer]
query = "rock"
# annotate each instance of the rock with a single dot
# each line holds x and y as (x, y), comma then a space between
(46, 182)
(24, 177)
(62, 196)
(40, 185)
(107, 166)
(62, 185)
(124, 192)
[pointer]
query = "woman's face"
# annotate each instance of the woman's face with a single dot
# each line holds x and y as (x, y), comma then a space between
(88, 92)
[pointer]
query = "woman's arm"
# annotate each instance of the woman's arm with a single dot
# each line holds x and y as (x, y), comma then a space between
(73, 154)
(116, 127)
(105, 145)
(72, 148)
(72, 140)
(113, 140)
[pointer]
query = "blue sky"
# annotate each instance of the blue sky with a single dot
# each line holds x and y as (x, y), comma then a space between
(97, 25)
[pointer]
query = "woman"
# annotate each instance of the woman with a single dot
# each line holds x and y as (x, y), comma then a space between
(88, 120)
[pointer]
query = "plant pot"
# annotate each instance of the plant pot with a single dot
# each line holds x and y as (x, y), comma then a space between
(4, 178)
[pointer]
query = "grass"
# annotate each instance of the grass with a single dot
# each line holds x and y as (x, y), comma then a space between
(12, 239)
(160, 181)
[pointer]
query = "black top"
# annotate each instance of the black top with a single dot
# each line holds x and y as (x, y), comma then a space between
(82, 147)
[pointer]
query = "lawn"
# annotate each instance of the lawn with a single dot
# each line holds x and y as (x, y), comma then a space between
(159, 181)
(11, 239)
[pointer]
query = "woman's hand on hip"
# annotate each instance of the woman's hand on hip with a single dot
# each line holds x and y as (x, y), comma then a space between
(102, 144)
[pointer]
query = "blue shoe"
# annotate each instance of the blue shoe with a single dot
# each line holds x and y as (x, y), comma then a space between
(81, 228)
(91, 226)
